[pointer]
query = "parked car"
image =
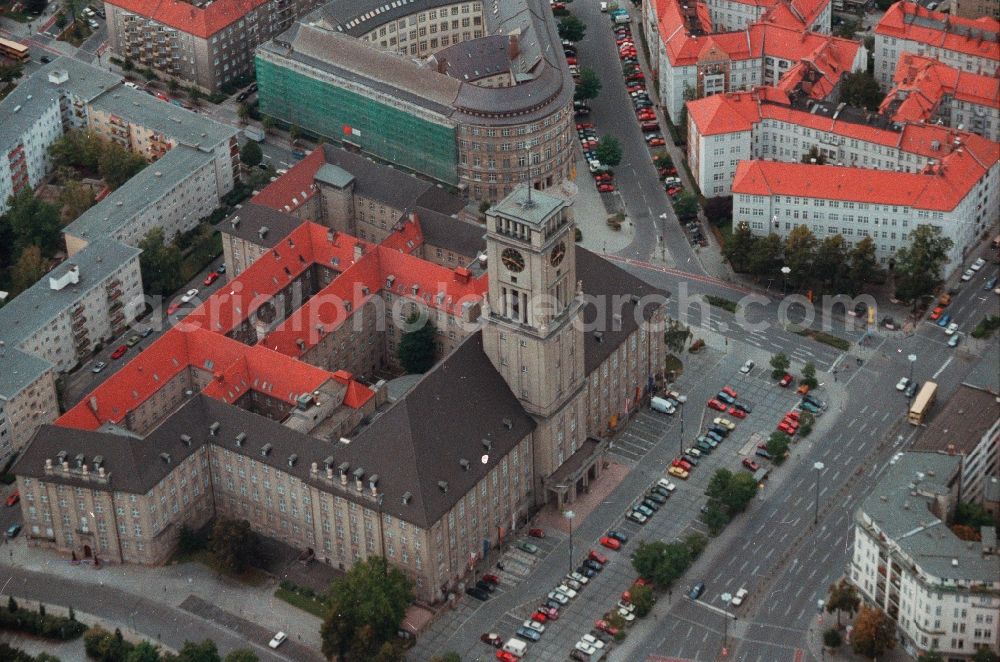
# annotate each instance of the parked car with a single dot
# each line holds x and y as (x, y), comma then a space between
(527, 633)
(277, 640)
(785, 380)
(619, 536)
(715, 404)
(936, 313)
(99, 366)
(747, 367)
(597, 557)
(13, 530)
(534, 625)
(477, 593)
(954, 340)
(14, 497)
(737, 412)
(902, 383)
(750, 464)
(610, 543)
(558, 597)
(697, 590)
(119, 351)
(536, 533)
(636, 517)
(491, 638)
(967, 276)
(725, 422)
(493, 579)
(211, 278)
(190, 294)
(528, 547)
(740, 596)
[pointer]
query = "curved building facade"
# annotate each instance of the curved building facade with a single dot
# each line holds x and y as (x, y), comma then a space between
(476, 95)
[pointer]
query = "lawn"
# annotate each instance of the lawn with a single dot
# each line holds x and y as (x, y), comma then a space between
(721, 302)
(825, 338)
(307, 604)
(252, 577)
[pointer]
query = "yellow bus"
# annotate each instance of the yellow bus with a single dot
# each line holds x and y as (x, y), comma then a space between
(14, 50)
(923, 402)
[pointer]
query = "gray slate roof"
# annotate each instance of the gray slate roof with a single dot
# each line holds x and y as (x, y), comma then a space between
(412, 446)
(456, 235)
(253, 217)
(908, 521)
(18, 370)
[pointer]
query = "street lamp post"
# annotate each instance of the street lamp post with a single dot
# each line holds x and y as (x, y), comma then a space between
(784, 278)
(819, 466)
(912, 358)
(569, 515)
(680, 440)
(726, 598)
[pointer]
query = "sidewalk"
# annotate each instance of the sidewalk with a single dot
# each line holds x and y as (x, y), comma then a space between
(592, 216)
(173, 584)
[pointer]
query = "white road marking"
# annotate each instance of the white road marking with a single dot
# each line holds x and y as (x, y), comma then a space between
(941, 369)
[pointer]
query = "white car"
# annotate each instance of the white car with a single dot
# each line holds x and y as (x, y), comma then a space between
(951, 329)
(747, 367)
(585, 648)
(969, 273)
(636, 517)
(666, 484)
(559, 597)
(739, 597)
(978, 264)
(604, 7)
(725, 422)
(593, 641)
(566, 590)
(627, 606)
(693, 452)
(578, 578)
(190, 294)
(627, 615)
(277, 640)
(902, 383)
(534, 625)
(572, 583)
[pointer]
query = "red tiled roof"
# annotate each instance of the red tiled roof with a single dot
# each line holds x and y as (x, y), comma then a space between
(921, 82)
(938, 188)
(183, 16)
(910, 21)
(724, 113)
(295, 187)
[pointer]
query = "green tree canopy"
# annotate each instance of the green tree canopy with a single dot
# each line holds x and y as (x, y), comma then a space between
(860, 89)
(930, 656)
(28, 269)
(77, 149)
(571, 28)
(984, 654)
(589, 85)
(874, 633)
(11, 72)
(779, 365)
(766, 256)
(719, 210)
(367, 607)
(450, 656)
(918, 266)
(75, 199)
(609, 151)
(843, 597)
(117, 165)
(160, 264)
(864, 268)
(643, 599)
(740, 248)
(251, 154)
(417, 347)
(830, 267)
(204, 651)
(33, 222)
(234, 544)
(800, 251)
(777, 446)
(686, 206)
(144, 651)
(809, 374)
(242, 655)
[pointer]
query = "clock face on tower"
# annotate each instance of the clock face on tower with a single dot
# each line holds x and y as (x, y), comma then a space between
(557, 254)
(513, 260)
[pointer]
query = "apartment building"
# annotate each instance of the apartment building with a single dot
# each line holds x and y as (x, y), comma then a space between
(773, 197)
(925, 90)
(969, 45)
(976, 9)
(483, 129)
(28, 399)
(942, 592)
(699, 49)
(769, 123)
(968, 426)
(208, 43)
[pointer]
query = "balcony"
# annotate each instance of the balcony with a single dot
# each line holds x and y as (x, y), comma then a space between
(77, 312)
(114, 292)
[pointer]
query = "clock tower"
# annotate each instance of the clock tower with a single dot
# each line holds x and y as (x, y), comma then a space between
(534, 333)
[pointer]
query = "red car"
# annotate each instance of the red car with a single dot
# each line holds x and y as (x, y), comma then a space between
(656, 142)
(937, 312)
(504, 656)
(172, 308)
(492, 579)
(584, 125)
(635, 76)
(15, 496)
(211, 278)
(551, 612)
(539, 617)
(682, 463)
(537, 533)
(604, 626)
(606, 188)
(610, 543)
(785, 381)
(668, 171)
(790, 423)
(728, 390)
(750, 464)
(597, 556)
(786, 428)
(792, 416)
(119, 352)
(650, 126)
(646, 116)
(715, 404)
(737, 412)
(603, 177)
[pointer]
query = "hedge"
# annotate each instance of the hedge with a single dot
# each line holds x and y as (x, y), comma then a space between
(39, 623)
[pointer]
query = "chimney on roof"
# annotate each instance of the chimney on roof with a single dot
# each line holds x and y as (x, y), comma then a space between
(265, 450)
(359, 475)
(373, 484)
(92, 403)
(343, 469)
(186, 439)
(508, 423)
(241, 438)
(79, 460)
(98, 461)
(165, 457)
(301, 344)
(48, 463)
(328, 462)
(85, 470)
(235, 222)
(415, 288)
(359, 250)
(314, 469)
(213, 429)
(292, 459)
(443, 484)
(406, 498)
(464, 464)
(262, 232)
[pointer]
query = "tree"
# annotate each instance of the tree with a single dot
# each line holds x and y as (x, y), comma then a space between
(267, 122)
(35, 6)
(10, 72)
(972, 514)
(984, 654)
(814, 156)
(918, 266)
(930, 656)
(777, 446)
(860, 89)
(61, 20)
(719, 210)
(800, 250)
(233, 544)
(77, 149)
(160, 264)
(571, 28)
(242, 655)
(417, 347)
(643, 599)
(686, 206)
(144, 651)
(75, 198)
(294, 132)
(647, 557)
(740, 248)
(367, 605)
(196, 95)
(863, 267)
(251, 154)
(766, 255)
(715, 517)
(830, 265)
(609, 151)
(33, 222)
(173, 85)
(243, 112)
(832, 638)
(779, 365)
(742, 489)
(676, 336)
(29, 269)
(809, 375)
(843, 597)
(205, 651)
(117, 165)
(661, 563)
(695, 543)
(874, 632)
(589, 85)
